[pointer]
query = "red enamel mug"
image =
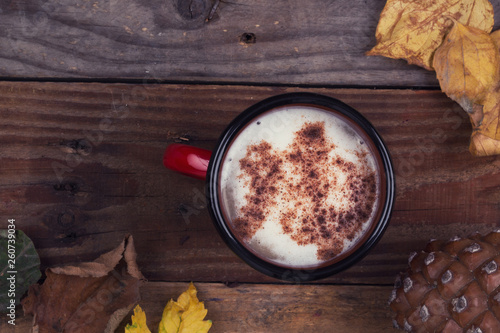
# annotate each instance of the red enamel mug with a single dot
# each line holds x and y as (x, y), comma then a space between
(276, 189)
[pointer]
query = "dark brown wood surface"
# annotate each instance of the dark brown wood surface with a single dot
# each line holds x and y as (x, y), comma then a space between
(81, 167)
(292, 42)
(91, 93)
(267, 308)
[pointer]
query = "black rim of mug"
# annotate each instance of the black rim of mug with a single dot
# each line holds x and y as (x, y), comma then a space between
(212, 192)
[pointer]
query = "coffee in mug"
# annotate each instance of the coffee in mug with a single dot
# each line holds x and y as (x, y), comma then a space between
(300, 186)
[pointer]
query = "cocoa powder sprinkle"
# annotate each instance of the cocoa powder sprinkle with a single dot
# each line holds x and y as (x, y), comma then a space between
(309, 185)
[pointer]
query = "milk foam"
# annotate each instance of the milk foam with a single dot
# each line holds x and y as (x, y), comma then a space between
(279, 128)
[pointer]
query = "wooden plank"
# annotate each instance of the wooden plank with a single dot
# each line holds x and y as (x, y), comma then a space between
(268, 308)
(81, 167)
(313, 42)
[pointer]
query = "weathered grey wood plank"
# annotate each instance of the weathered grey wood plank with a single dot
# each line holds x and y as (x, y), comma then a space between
(268, 308)
(295, 42)
(81, 167)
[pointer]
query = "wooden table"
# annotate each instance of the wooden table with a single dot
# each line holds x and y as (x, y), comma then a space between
(91, 93)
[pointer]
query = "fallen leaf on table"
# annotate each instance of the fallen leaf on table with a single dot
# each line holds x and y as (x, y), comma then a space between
(467, 65)
(186, 315)
(87, 297)
(496, 37)
(414, 29)
(17, 254)
(481, 145)
(138, 322)
(490, 124)
(485, 140)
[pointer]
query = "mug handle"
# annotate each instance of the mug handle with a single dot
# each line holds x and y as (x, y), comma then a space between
(187, 160)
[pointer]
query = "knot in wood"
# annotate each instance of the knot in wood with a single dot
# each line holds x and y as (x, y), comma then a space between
(69, 187)
(78, 146)
(66, 219)
(248, 38)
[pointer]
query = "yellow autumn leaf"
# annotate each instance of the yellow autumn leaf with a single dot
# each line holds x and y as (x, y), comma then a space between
(186, 315)
(414, 29)
(481, 145)
(468, 68)
(496, 37)
(466, 65)
(171, 318)
(485, 138)
(138, 322)
(490, 124)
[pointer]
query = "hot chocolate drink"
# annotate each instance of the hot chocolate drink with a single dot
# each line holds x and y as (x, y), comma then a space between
(300, 186)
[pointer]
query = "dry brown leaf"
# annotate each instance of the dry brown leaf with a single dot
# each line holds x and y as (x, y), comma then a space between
(467, 65)
(88, 297)
(414, 29)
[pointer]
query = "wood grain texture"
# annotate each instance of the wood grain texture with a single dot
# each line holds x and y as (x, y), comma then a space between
(81, 167)
(266, 308)
(313, 42)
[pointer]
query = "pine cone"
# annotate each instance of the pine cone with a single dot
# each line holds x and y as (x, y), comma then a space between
(451, 286)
